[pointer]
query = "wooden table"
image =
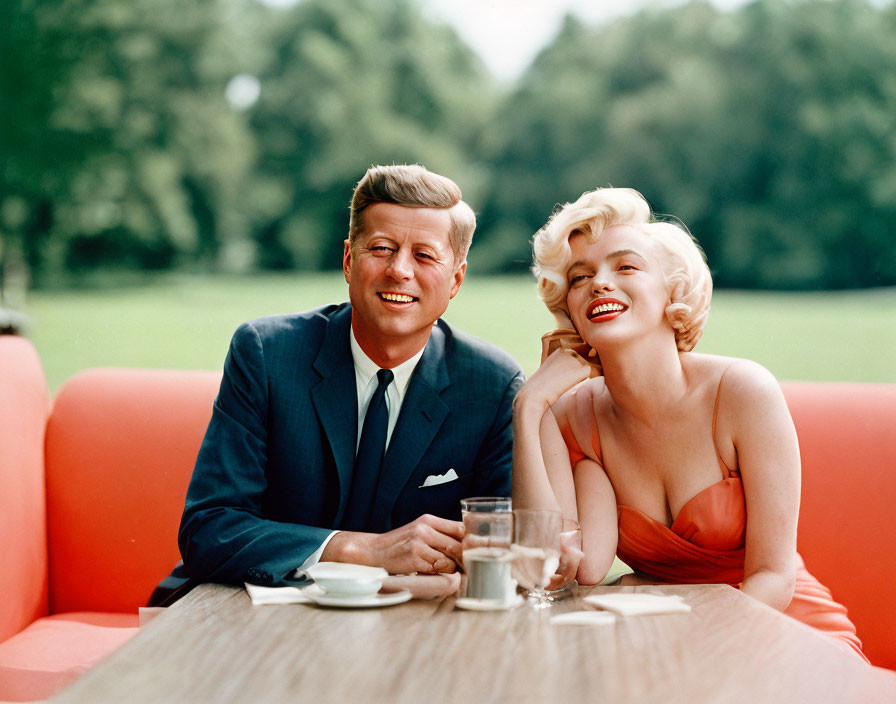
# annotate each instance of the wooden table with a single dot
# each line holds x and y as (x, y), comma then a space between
(214, 646)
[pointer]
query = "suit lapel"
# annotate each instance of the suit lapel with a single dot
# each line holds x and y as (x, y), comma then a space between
(335, 399)
(422, 413)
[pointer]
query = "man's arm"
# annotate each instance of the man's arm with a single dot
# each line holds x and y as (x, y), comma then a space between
(494, 461)
(224, 534)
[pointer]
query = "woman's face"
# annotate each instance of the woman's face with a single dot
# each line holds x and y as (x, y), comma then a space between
(617, 289)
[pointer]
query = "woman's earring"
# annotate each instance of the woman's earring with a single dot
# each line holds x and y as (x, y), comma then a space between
(592, 353)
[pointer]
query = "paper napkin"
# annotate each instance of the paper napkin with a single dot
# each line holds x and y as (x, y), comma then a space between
(275, 595)
(583, 618)
(637, 604)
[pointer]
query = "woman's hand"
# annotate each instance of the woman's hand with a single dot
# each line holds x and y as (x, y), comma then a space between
(570, 556)
(562, 370)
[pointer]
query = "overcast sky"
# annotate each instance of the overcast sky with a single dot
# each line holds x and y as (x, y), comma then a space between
(509, 33)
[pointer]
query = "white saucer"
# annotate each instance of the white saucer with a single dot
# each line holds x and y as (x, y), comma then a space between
(319, 596)
(488, 604)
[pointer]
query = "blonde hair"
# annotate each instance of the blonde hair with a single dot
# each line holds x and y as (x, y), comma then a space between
(414, 186)
(687, 276)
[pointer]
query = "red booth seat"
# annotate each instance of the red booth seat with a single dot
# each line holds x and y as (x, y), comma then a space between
(91, 492)
(92, 488)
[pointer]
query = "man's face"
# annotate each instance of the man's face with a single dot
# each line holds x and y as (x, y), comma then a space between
(401, 274)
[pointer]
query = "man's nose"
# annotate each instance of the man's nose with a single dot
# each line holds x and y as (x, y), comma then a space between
(401, 266)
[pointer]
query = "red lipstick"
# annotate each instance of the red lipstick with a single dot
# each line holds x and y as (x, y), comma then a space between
(600, 310)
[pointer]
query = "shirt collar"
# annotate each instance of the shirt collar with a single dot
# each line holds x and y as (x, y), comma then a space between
(366, 368)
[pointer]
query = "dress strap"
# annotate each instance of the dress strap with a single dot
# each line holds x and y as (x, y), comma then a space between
(726, 472)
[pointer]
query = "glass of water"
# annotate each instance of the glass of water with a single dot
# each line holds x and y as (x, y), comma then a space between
(488, 533)
(536, 551)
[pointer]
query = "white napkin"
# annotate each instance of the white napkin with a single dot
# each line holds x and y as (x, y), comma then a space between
(583, 618)
(631, 604)
(275, 595)
(421, 586)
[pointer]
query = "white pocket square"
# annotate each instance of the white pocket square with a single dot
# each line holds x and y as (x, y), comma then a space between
(434, 479)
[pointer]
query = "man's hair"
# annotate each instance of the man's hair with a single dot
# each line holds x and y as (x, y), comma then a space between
(688, 280)
(413, 186)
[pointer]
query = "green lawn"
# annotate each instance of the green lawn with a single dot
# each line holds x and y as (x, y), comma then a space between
(186, 322)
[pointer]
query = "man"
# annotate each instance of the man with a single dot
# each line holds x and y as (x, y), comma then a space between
(284, 478)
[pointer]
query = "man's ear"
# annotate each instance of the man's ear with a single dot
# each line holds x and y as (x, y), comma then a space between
(347, 260)
(458, 278)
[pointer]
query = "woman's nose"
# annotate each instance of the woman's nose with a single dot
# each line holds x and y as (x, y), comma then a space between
(601, 283)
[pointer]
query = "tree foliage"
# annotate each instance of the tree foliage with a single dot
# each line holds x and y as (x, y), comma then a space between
(768, 130)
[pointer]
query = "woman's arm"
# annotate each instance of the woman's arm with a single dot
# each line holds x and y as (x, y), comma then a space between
(754, 415)
(596, 503)
(541, 466)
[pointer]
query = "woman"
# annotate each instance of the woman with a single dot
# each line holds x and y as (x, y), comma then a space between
(685, 465)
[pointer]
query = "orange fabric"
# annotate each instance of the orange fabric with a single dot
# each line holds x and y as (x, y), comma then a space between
(54, 651)
(706, 541)
(705, 544)
(24, 405)
(847, 529)
(120, 450)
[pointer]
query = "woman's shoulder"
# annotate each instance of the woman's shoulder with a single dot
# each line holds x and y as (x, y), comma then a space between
(742, 388)
(734, 373)
(576, 415)
(580, 397)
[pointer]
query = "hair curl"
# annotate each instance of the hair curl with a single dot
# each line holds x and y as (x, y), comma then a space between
(688, 281)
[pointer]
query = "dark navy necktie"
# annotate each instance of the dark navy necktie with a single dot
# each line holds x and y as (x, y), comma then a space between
(369, 459)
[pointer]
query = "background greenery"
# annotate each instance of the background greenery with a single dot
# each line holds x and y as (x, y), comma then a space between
(126, 142)
(186, 322)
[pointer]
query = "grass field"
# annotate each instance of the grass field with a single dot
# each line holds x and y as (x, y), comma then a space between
(185, 322)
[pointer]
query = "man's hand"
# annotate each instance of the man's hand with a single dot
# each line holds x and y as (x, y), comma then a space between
(429, 544)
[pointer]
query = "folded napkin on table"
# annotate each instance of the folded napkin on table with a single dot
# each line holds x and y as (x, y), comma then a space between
(275, 595)
(635, 604)
(421, 586)
(583, 618)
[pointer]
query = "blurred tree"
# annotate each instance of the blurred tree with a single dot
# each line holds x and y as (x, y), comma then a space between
(223, 133)
(135, 156)
(347, 84)
(767, 130)
(36, 153)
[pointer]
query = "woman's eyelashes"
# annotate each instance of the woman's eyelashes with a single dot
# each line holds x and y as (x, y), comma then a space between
(576, 279)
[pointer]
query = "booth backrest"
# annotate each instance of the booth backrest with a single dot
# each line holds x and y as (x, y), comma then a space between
(120, 450)
(847, 527)
(24, 404)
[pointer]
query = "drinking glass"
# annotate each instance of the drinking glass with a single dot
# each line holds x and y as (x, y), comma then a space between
(488, 532)
(536, 551)
(488, 522)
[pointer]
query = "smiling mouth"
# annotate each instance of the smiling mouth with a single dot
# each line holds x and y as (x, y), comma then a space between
(606, 310)
(396, 297)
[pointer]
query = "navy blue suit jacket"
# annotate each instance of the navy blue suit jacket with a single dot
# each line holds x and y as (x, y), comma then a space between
(274, 471)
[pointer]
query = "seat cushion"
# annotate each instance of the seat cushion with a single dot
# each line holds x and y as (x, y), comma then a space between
(24, 405)
(120, 450)
(55, 650)
(848, 494)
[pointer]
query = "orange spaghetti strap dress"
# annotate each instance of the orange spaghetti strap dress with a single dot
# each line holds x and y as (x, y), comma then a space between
(705, 545)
